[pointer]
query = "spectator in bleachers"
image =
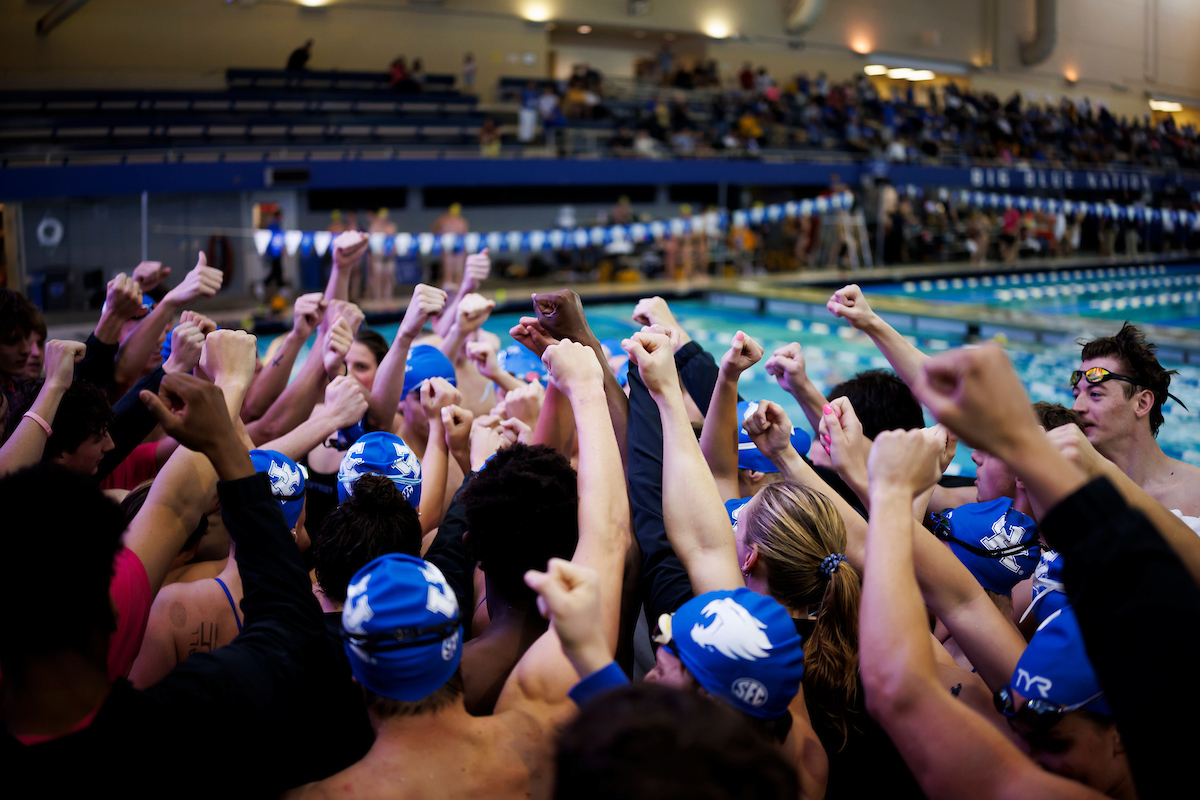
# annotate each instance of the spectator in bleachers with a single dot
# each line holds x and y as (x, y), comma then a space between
(746, 77)
(298, 60)
(468, 72)
(489, 139)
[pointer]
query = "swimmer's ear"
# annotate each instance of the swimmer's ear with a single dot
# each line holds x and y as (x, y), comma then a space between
(755, 476)
(1118, 746)
(751, 560)
(1020, 483)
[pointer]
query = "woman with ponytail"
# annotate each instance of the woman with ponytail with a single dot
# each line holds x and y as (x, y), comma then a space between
(791, 544)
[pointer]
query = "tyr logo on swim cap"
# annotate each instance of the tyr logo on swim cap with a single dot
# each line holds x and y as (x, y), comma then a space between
(426, 361)
(1055, 666)
(997, 543)
(385, 454)
(743, 648)
(748, 455)
(287, 481)
(401, 627)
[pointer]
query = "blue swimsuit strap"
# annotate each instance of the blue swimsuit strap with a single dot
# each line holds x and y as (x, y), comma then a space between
(232, 604)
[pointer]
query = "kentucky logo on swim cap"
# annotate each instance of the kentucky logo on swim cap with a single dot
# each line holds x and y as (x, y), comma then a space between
(997, 543)
(734, 509)
(287, 481)
(517, 360)
(743, 648)
(401, 627)
(385, 454)
(749, 456)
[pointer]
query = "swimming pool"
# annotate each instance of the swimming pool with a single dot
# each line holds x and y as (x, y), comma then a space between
(834, 352)
(1155, 294)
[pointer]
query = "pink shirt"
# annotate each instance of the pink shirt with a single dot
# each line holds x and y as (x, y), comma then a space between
(130, 591)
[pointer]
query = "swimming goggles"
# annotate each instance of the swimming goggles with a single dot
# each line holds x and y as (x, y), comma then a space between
(1100, 375)
(1038, 714)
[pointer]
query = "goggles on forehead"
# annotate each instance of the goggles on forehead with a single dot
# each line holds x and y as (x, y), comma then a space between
(402, 637)
(1038, 714)
(1097, 375)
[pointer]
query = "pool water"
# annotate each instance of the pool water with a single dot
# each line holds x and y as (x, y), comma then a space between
(834, 352)
(1160, 295)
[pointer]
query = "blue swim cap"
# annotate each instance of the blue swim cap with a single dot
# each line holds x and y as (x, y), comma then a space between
(401, 627)
(287, 481)
(1055, 666)
(385, 454)
(997, 543)
(734, 509)
(517, 360)
(349, 435)
(426, 361)
(1049, 594)
(748, 455)
(623, 373)
(743, 648)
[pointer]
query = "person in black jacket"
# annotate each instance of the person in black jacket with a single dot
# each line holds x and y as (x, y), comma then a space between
(298, 60)
(61, 708)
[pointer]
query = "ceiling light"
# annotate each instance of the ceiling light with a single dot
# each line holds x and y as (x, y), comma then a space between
(1165, 105)
(899, 74)
(584, 29)
(921, 75)
(716, 28)
(536, 12)
(875, 69)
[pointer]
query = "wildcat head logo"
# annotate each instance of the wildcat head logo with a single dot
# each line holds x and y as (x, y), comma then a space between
(733, 632)
(284, 479)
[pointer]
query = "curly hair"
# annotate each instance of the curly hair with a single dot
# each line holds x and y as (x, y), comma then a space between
(522, 509)
(1129, 346)
(1055, 415)
(83, 411)
(372, 522)
(794, 528)
(881, 400)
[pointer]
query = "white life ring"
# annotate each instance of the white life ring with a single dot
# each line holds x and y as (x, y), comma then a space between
(49, 232)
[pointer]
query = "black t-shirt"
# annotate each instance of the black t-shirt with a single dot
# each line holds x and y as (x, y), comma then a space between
(867, 764)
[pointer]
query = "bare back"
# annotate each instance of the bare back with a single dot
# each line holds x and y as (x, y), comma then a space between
(448, 755)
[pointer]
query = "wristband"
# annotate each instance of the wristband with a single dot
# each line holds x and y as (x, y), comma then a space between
(38, 419)
(598, 683)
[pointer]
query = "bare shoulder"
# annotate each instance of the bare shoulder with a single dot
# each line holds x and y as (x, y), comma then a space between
(1179, 488)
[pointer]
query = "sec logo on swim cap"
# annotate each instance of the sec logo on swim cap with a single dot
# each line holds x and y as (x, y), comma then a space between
(749, 691)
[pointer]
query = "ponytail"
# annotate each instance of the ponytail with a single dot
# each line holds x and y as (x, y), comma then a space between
(831, 654)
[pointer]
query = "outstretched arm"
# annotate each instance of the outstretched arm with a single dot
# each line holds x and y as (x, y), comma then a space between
(475, 272)
(27, 442)
(695, 518)
(850, 304)
(182, 491)
(787, 365)
(719, 438)
(345, 404)
(544, 674)
(389, 378)
(273, 378)
(348, 251)
(952, 751)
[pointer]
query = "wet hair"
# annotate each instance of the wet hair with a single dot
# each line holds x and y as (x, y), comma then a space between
(55, 516)
(83, 412)
(374, 521)
(446, 694)
(1129, 346)
(1055, 415)
(522, 509)
(18, 317)
(882, 402)
(374, 342)
(132, 503)
(794, 528)
(652, 742)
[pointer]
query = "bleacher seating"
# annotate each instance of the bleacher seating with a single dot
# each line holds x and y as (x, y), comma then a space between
(510, 87)
(139, 119)
(310, 81)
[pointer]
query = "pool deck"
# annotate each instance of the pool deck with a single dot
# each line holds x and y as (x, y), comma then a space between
(802, 293)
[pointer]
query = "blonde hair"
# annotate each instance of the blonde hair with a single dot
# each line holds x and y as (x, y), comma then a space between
(794, 529)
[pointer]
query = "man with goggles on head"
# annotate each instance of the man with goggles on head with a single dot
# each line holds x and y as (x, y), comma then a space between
(1120, 390)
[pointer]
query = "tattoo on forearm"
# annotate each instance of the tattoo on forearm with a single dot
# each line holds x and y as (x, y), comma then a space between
(276, 361)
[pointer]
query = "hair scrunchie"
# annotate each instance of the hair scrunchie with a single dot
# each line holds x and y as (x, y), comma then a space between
(829, 563)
